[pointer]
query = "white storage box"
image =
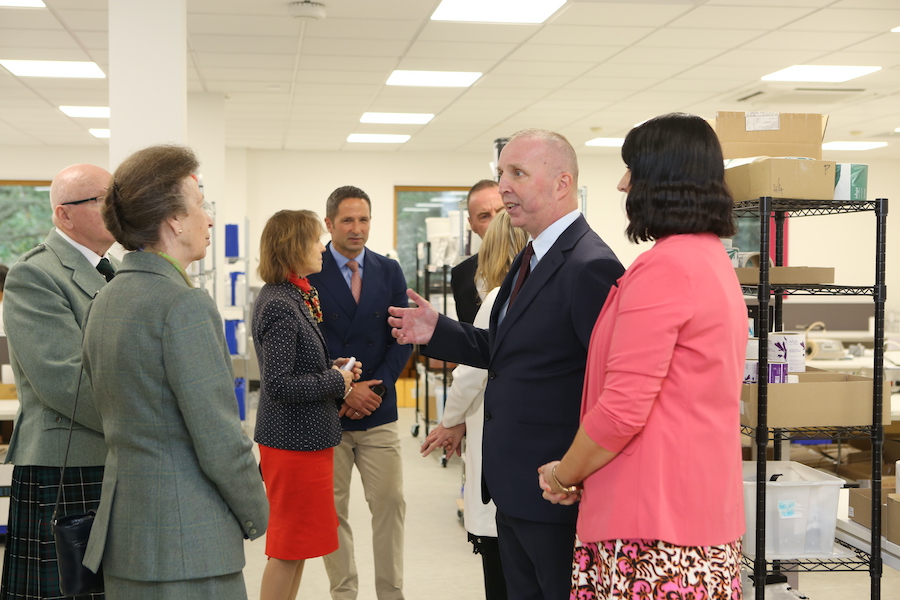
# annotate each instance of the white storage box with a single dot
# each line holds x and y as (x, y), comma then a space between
(801, 510)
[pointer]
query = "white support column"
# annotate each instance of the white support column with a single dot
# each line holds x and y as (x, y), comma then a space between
(147, 75)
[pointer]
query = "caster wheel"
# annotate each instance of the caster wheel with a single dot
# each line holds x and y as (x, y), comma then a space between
(414, 430)
(444, 460)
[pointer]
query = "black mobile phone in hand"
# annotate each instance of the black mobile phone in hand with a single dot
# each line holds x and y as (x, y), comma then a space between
(379, 389)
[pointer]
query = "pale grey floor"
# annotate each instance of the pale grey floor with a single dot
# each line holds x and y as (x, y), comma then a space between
(439, 562)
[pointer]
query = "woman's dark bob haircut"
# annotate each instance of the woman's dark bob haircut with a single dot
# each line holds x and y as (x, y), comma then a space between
(677, 179)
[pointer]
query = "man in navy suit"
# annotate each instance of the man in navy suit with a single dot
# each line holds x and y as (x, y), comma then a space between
(355, 287)
(535, 353)
(482, 203)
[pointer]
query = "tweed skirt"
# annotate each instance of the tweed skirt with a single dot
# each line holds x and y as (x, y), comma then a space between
(224, 587)
(303, 522)
(29, 562)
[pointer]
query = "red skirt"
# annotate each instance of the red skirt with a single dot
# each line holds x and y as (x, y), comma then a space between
(300, 486)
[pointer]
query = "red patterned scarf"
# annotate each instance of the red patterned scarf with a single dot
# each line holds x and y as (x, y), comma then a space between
(309, 294)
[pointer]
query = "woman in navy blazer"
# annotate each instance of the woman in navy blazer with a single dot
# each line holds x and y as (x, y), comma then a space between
(297, 423)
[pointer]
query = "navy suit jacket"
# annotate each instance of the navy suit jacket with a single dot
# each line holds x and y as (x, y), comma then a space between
(536, 360)
(465, 292)
(362, 330)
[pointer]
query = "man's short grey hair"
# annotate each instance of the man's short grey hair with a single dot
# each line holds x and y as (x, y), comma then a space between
(569, 160)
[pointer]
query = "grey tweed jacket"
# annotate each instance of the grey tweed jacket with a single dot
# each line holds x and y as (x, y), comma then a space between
(46, 295)
(181, 488)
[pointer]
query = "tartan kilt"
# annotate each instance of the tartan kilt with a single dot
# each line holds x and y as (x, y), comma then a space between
(29, 562)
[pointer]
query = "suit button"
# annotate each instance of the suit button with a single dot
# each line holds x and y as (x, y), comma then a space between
(252, 531)
(58, 419)
(370, 343)
(248, 524)
(334, 317)
(346, 344)
(377, 314)
(487, 416)
(492, 375)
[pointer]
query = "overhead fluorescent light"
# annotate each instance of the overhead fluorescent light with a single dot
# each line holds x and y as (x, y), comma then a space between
(496, 11)
(897, 130)
(820, 73)
(853, 145)
(396, 118)
(53, 68)
(433, 78)
(416, 209)
(376, 138)
(99, 133)
(22, 4)
(606, 142)
(896, 30)
(90, 112)
(430, 204)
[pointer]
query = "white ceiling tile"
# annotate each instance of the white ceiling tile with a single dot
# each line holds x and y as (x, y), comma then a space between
(671, 37)
(848, 20)
(242, 25)
(664, 56)
(244, 61)
(739, 17)
(444, 31)
(244, 43)
(364, 29)
(617, 14)
(805, 40)
(564, 54)
(28, 19)
(350, 47)
(85, 20)
(540, 82)
(29, 38)
(535, 67)
(582, 35)
(450, 63)
(470, 50)
(233, 74)
(348, 63)
(10, 52)
(764, 59)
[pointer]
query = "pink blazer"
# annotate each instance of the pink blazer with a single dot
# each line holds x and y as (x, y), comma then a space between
(662, 390)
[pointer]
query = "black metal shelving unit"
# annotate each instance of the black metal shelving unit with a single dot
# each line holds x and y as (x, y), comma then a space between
(765, 209)
(432, 281)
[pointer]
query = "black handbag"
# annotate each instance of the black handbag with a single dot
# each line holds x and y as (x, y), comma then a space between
(71, 533)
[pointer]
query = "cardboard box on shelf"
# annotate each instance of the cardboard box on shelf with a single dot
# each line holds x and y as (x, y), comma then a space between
(820, 399)
(771, 134)
(8, 391)
(890, 525)
(787, 275)
(861, 472)
(860, 507)
(850, 181)
(752, 178)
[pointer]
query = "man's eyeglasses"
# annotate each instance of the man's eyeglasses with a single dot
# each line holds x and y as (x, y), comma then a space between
(74, 202)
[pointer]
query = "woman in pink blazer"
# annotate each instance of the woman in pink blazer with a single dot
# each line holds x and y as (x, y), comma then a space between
(656, 462)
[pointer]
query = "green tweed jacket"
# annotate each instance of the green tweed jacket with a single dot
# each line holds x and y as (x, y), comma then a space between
(46, 295)
(181, 488)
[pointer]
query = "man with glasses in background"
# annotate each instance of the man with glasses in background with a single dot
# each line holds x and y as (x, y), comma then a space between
(46, 296)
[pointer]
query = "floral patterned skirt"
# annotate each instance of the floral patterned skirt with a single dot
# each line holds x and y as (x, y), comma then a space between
(653, 569)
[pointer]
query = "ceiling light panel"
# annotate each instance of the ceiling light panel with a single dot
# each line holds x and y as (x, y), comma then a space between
(89, 112)
(99, 133)
(433, 78)
(606, 142)
(853, 146)
(53, 68)
(496, 11)
(820, 73)
(376, 138)
(396, 118)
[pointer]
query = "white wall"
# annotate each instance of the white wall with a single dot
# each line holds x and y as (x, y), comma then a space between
(261, 182)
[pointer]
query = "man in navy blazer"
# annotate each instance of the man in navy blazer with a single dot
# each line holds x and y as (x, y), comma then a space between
(535, 353)
(482, 203)
(358, 327)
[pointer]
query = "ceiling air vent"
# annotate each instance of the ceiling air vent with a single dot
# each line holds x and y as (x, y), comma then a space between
(799, 95)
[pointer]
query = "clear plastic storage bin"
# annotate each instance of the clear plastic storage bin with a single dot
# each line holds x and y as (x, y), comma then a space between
(801, 510)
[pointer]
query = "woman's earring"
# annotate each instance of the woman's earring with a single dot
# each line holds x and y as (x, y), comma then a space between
(180, 231)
